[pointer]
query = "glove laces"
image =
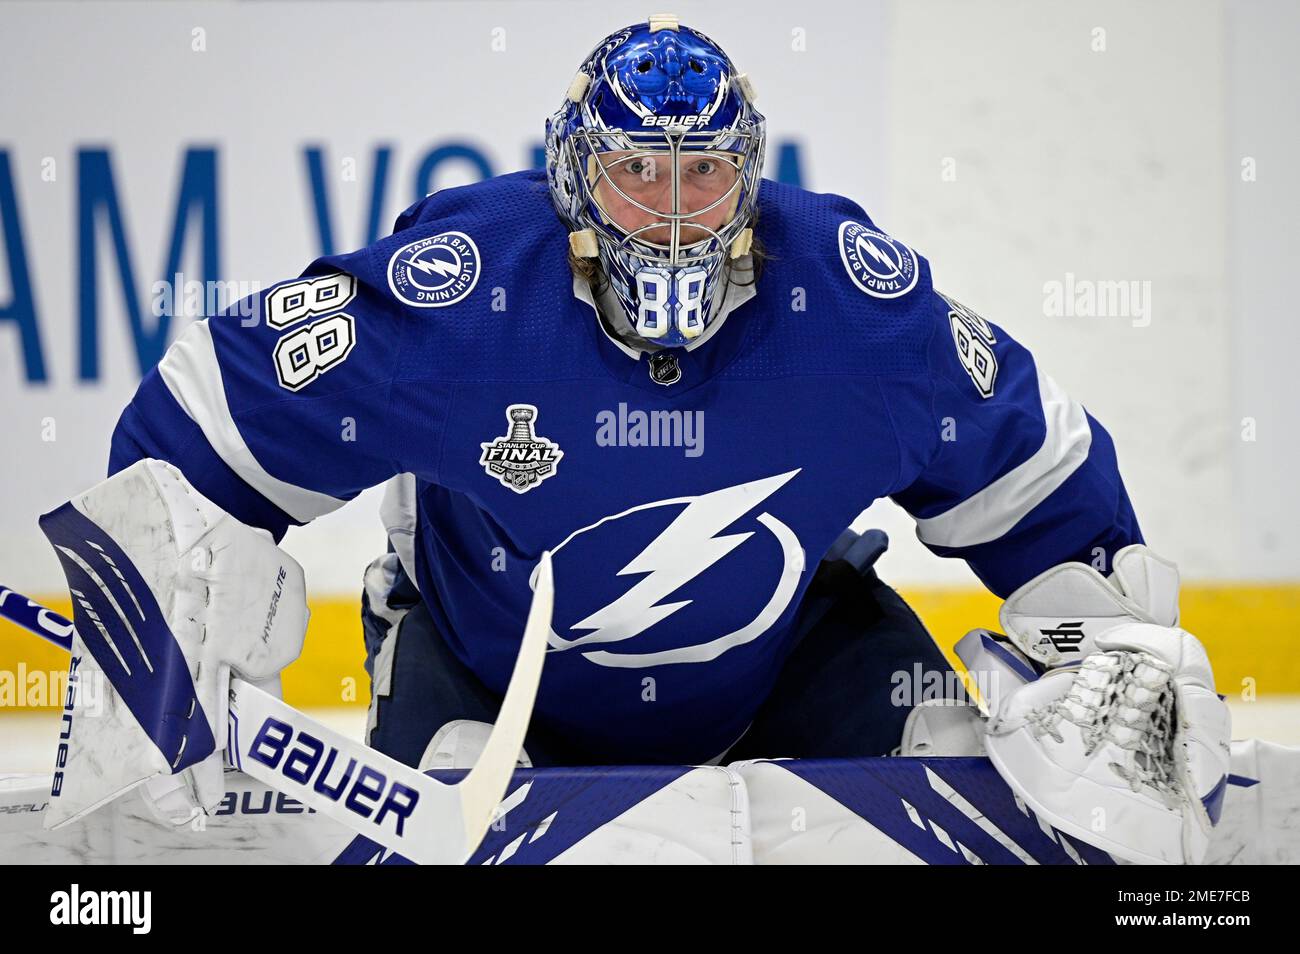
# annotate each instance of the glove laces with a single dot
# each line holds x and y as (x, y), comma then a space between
(1125, 699)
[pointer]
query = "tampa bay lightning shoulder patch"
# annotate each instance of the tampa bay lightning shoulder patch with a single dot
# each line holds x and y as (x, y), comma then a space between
(881, 266)
(436, 271)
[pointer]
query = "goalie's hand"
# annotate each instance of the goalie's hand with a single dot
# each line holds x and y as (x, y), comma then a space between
(1127, 748)
(1128, 751)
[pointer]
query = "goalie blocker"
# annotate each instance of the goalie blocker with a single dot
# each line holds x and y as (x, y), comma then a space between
(170, 593)
(175, 601)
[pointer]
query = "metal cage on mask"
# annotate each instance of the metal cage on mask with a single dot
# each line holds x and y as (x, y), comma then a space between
(667, 271)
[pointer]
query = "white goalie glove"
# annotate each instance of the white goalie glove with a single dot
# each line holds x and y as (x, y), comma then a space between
(1123, 742)
(170, 595)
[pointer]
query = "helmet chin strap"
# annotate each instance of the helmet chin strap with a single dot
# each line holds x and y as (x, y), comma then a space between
(584, 244)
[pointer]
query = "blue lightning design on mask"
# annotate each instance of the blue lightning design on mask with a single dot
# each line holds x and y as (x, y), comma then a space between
(686, 548)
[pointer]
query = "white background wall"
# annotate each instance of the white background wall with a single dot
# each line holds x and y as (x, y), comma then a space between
(1263, 243)
(1114, 164)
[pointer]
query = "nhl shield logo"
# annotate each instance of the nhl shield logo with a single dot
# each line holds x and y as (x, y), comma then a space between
(520, 460)
(879, 265)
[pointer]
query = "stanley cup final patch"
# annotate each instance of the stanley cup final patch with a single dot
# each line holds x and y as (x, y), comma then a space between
(520, 460)
(881, 266)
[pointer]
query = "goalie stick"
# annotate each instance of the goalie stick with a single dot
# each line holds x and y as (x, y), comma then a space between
(392, 804)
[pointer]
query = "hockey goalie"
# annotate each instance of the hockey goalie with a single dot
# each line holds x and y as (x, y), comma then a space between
(534, 363)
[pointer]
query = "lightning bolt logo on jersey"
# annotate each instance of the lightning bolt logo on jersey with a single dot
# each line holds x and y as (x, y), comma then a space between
(679, 555)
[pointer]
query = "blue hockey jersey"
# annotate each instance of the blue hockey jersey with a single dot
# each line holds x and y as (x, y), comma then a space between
(687, 500)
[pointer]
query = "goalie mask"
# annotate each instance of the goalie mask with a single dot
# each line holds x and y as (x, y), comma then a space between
(654, 162)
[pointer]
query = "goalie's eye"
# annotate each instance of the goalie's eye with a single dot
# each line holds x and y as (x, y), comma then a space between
(704, 167)
(642, 168)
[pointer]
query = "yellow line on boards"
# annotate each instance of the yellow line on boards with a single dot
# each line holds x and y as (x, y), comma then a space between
(1252, 633)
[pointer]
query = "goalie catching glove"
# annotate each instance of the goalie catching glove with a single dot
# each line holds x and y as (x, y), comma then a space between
(1123, 742)
(170, 594)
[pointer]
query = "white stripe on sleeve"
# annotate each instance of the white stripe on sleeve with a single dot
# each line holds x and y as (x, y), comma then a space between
(991, 512)
(192, 374)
